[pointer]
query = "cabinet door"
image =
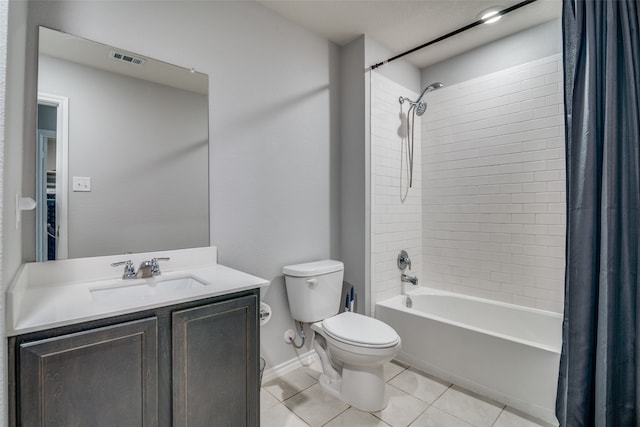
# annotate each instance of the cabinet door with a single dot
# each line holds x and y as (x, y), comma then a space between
(100, 377)
(215, 365)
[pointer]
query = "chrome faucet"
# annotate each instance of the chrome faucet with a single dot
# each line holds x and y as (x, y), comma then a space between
(409, 279)
(403, 262)
(147, 268)
(144, 270)
(155, 266)
(129, 269)
(150, 268)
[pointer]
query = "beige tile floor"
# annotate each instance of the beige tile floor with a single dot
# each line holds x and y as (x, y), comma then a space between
(416, 399)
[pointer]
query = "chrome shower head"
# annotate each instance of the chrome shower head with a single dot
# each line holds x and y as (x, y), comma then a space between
(421, 107)
(431, 87)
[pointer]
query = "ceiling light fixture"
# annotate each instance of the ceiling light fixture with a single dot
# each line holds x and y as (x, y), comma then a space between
(491, 16)
(454, 32)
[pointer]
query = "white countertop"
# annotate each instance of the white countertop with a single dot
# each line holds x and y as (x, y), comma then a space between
(59, 293)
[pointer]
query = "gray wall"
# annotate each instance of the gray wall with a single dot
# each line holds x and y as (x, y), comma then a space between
(353, 171)
(537, 42)
(14, 133)
(145, 147)
(273, 119)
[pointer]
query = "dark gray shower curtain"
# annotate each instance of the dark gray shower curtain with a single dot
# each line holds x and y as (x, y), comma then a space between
(599, 381)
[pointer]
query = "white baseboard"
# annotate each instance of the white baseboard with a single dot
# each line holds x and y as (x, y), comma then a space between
(290, 365)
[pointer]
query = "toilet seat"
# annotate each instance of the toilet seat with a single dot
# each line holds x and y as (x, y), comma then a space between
(360, 331)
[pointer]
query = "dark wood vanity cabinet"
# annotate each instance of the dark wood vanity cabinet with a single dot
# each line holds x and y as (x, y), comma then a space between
(192, 364)
(105, 376)
(205, 391)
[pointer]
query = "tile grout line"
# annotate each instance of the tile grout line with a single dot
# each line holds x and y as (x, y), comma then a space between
(420, 414)
(270, 394)
(336, 416)
(498, 417)
(432, 404)
(295, 394)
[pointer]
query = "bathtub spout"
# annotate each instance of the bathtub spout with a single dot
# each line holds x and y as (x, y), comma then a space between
(409, 279)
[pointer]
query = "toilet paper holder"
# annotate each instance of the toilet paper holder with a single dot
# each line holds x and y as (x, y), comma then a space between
(264, 315)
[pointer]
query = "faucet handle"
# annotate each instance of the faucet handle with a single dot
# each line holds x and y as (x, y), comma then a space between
(155, 265)
(129, 269)
(404, 260)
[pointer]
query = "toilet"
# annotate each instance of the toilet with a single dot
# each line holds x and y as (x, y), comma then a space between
(352, 347)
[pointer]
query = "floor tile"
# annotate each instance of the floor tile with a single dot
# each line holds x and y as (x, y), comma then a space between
(402, 408)
(289, 384)
(315, 406)
(297, 400)
(353, 417)
(470, 407)
(314, 368)
(267, 400)
(391, 369)
(280, 416)
(420, 385)
(434, 417)
(511, 418)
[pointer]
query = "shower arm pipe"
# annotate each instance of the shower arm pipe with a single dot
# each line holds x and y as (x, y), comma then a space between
(430, 88)
(453, 33)
(403, 99)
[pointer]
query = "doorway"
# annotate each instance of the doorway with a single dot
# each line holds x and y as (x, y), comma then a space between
(51, 178)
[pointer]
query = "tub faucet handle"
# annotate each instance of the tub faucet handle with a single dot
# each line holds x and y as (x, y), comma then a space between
(403, 260)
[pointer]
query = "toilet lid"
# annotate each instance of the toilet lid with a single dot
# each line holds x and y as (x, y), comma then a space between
(360, 330)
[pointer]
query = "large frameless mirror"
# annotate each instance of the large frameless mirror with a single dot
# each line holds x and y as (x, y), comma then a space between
(122, 151)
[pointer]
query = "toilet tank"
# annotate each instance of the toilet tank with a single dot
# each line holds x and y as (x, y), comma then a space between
(314, 289)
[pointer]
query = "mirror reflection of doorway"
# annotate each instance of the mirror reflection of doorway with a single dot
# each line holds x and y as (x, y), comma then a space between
(46, 231)
(51, 178)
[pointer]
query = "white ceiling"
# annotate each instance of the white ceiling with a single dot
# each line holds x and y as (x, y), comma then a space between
(93, 54)
(400, 25)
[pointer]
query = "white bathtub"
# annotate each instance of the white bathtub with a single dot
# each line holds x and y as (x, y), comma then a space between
(506, 352)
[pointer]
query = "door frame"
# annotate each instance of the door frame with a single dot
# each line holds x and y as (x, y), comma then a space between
(61, 103)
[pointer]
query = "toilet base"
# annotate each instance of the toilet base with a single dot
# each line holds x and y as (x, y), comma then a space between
(363, 388)
(351, 373)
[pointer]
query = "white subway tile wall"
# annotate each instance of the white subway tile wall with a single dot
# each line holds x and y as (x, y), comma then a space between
(493, 188)
(396, 209)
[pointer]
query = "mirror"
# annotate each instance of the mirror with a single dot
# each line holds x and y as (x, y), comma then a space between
(122, 151)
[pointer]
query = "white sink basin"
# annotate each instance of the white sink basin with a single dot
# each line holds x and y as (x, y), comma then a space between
(147, 289)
